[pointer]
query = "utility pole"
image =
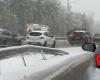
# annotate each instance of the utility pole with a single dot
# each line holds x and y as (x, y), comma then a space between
(69, 16)
(68, 6)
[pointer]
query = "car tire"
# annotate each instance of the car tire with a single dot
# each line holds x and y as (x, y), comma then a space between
(4, 42)
(54, 44)
(39, 44)
(45, 44)
(19, 42)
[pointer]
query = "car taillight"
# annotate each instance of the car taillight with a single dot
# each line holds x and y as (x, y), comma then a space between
(97, 59)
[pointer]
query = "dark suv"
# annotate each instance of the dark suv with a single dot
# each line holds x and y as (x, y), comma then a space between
(79, 37)
(6, 38)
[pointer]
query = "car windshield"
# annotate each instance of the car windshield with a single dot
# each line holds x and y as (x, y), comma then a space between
(35, 34)
(79, 33)
(44, 39)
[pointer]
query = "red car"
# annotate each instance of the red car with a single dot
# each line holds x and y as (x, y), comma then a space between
(79, 37)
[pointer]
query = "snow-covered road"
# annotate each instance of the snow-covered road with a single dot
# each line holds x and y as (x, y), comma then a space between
(14, 69)
(97, 74)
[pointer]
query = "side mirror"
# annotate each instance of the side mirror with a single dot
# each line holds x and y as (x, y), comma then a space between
(89, 47)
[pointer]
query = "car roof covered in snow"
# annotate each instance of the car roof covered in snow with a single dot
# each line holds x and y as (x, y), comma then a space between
(40, 31)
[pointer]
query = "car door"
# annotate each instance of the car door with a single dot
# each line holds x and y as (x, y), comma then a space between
(49, 38)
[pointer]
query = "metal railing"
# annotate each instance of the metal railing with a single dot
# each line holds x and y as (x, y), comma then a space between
(61, 38)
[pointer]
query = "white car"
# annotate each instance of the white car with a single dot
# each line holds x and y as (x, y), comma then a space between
(41, 38)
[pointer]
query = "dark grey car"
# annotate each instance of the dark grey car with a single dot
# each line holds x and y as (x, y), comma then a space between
(7, 38)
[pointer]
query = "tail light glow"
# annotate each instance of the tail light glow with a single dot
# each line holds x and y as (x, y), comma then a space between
(97, 58)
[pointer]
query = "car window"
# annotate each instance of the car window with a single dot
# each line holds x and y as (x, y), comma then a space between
(35, 34)
(78, 33)
(47, 34)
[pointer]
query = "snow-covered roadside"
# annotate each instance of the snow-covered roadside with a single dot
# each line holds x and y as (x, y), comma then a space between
(97, 74)
(14, 69)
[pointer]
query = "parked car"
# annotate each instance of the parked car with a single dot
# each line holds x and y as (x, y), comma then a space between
(79, 37)
(7, 38)
(41, 38)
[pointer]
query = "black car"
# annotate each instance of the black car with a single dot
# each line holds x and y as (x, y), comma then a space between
(7, 38)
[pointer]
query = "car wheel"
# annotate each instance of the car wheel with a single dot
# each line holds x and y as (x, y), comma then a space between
(38, 44)
(19, 42)
(4, 42)
(45, 44)
(54, 44)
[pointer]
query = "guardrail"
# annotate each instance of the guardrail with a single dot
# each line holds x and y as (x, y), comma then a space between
(57, 38)
(74, 68)
(61, 38)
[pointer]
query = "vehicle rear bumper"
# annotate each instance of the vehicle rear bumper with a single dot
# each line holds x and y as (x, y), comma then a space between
(34, 43)
(77, 41)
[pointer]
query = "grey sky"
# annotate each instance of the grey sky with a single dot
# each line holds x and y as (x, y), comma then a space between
(88, 6)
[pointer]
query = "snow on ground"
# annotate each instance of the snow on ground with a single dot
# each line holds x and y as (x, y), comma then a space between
(97, 74)
(14, 69)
